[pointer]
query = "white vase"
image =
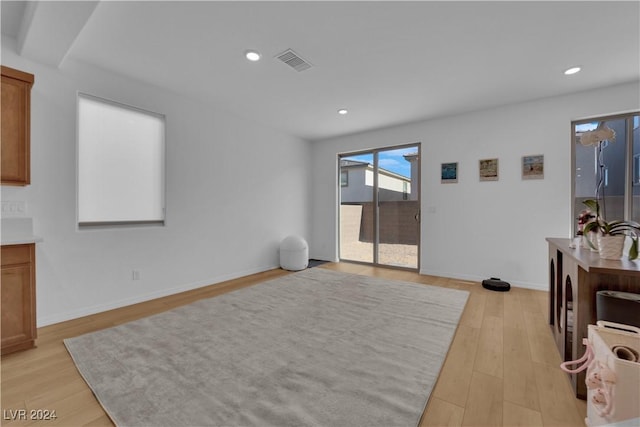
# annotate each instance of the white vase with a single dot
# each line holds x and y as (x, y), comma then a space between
(610, 246)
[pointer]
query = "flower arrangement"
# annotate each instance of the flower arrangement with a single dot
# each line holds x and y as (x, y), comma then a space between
(610, 234)
(596, 138)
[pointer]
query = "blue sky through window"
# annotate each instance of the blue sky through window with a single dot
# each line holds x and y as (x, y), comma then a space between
(391, 160)
(584, 127)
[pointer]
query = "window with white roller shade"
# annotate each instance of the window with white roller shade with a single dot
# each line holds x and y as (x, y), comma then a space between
(121, 163)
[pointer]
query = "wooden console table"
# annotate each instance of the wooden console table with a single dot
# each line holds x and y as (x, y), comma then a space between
(575, 275)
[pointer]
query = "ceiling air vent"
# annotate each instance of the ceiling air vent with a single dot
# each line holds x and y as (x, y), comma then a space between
(293, 60)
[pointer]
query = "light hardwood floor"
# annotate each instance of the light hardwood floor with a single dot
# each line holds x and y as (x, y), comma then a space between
(502, 368)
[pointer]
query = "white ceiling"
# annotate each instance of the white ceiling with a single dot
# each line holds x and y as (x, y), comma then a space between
(387, 62)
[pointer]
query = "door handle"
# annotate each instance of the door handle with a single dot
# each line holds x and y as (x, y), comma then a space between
(417, 216)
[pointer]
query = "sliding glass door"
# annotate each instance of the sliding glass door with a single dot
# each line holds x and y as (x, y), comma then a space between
(398, 207)
(380, 206)
(356, 207)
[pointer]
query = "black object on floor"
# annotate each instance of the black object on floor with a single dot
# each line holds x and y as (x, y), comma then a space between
(316, 262)
(495, 284)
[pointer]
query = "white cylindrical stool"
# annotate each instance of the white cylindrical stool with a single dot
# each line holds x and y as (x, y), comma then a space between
(294, 253)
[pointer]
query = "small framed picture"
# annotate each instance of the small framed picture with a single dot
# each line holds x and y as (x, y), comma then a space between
(449, 173)
(488, 169)
(533, 167)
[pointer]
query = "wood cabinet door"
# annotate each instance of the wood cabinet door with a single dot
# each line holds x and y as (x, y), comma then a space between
(18, 324)
(16, 106)
(18, 297)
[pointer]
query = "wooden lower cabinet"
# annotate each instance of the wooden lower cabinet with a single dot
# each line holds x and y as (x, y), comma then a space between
(18, 297)
(575, 277)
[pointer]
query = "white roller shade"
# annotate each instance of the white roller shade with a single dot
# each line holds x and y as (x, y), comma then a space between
(121, 164)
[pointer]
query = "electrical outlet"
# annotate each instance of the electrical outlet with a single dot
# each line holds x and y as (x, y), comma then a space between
(135, 274)
(12, 208)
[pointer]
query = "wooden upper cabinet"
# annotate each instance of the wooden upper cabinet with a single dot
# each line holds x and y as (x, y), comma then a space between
(16, 125)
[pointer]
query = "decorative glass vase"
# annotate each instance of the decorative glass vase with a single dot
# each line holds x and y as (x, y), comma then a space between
(611, 246)
(593, 238)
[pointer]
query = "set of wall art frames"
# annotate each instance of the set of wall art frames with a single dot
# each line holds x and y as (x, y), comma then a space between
(532, 168)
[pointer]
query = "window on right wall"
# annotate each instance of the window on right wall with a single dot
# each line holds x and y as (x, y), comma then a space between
(606, 156)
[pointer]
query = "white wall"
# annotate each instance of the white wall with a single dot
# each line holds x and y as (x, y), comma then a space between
(221, 222)
(474, 230)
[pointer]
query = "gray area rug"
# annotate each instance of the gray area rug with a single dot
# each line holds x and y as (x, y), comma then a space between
(314, 348)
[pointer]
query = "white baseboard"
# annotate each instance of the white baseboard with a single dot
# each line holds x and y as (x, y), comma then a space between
(99, 308)
(474, 278)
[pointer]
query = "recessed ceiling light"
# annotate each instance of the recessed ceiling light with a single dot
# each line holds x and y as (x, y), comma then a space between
(571, 70)
(342, 111)
(252, 55)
